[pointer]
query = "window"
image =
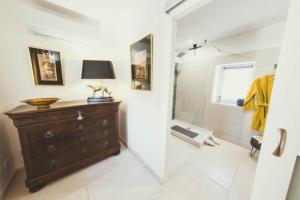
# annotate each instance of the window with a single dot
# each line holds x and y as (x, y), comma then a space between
(232, 82)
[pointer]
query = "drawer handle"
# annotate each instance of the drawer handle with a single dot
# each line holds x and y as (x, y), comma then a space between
(80, 127)
(105, 122)
(82, 139)
(106, 143)
(106, 132)
(53, 163)
(83, 151)
(51, 148)
(49, 134)
(80, 117)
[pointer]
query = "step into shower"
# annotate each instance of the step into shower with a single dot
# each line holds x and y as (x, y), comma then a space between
(194, 135)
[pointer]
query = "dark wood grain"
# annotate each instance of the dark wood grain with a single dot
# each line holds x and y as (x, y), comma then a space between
(56, 141)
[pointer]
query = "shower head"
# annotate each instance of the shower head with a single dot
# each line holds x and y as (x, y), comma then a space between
(195, 46)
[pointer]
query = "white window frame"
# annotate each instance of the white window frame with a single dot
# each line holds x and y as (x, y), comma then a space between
(219, 75)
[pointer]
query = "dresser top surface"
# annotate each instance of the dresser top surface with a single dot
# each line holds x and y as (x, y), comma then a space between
(60, 105)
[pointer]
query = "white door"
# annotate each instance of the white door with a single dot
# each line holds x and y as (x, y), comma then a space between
(273, 174)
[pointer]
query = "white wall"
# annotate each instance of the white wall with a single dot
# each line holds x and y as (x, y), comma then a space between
(143, 113)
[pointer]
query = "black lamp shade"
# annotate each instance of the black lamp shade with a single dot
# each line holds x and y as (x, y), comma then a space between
(97, 69)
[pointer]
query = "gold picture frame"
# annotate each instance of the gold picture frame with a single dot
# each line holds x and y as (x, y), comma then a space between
(141, 54)
(46, 66)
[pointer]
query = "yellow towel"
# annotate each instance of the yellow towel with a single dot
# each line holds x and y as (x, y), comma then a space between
(258, 100)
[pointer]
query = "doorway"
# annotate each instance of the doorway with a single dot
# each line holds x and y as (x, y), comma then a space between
(221, 48)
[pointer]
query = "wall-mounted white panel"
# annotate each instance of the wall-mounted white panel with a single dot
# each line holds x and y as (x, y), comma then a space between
(53, 21)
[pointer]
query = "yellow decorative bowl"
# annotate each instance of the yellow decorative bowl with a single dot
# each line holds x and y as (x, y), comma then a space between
(41, 102)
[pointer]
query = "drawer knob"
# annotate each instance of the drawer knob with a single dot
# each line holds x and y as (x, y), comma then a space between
(80, 127)
(106, 132)
(53, 163)
(80, 117)
(49, 134)
(51, 148)
(105, 122)
(83, 151)
(106, 143)
(82, 139)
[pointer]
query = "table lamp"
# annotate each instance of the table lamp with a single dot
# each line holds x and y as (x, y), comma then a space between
(98, 69)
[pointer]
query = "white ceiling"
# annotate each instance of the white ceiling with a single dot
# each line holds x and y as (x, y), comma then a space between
(223, 18)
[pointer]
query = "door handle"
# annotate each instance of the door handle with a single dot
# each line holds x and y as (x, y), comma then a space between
(281, 146)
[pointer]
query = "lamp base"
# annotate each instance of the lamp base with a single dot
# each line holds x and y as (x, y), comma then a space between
(100, 99)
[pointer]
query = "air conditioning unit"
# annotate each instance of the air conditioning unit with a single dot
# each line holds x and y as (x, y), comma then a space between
(172, 4)
(50, 20)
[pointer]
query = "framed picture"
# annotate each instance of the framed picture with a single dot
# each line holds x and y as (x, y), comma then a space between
(141, 63)
(46, 65)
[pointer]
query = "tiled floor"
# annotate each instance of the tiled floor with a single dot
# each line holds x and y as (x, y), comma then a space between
(225, 172)
(222, 172)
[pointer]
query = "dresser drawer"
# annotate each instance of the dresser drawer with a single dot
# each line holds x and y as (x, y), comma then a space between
(77, 149)
(52, 149)
(95, 136)
(79, 113)
(52, 163)
(93, 147)
(90, 136)
(72, 154)
(100, 123)
(81, 141)
(64, 131)
(97, 141)
(50, 133)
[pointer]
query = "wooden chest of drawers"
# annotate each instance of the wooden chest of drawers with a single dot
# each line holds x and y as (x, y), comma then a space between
(64, 138)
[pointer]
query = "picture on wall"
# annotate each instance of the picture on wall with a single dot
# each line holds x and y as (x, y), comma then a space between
(141, 63)
(46, 65)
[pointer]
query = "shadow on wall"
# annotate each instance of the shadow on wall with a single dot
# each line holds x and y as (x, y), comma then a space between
(6, 162)
(123, 123)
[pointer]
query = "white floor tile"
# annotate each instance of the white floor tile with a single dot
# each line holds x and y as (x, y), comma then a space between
(178, 153)
(129, 182)
(208, 173)
(227, 166)
(78, 195)
(241, 188)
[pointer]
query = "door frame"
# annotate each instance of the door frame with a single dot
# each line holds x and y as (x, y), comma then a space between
(184, 9)
(178, 13)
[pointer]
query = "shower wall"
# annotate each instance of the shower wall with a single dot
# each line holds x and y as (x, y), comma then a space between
(194, 92)
(192, 87)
